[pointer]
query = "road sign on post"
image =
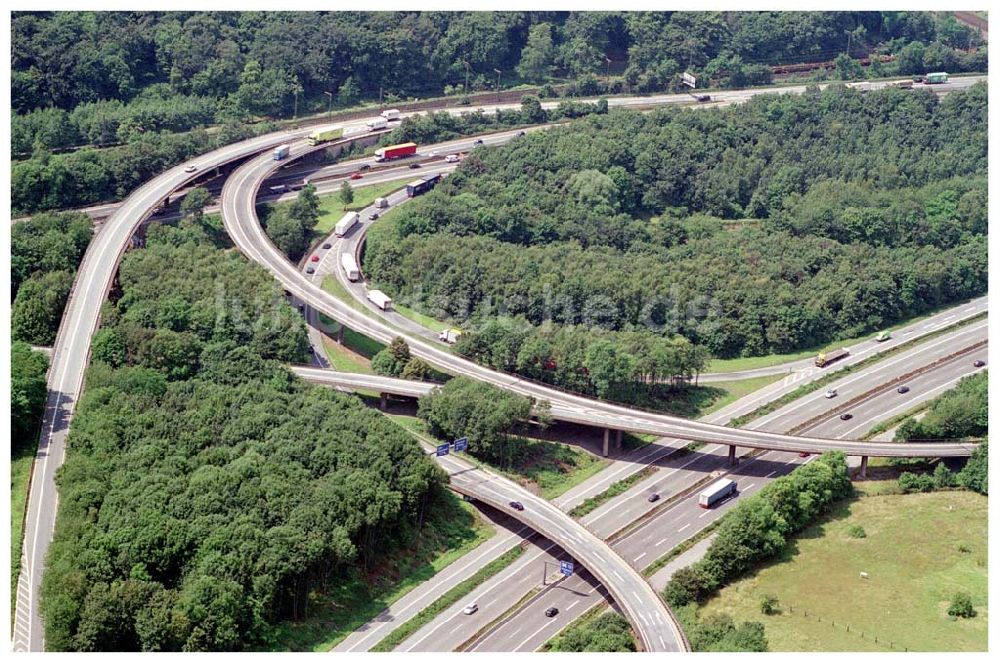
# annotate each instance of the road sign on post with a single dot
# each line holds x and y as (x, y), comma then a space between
(461, 444)
(442, 450)
(566, 567)
(688, 79)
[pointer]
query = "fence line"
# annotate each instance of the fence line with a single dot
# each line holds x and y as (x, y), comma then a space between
(891, 644)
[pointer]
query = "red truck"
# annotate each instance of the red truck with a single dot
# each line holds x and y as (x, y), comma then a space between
(396, 151)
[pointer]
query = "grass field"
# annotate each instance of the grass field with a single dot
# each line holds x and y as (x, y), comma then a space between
(20, 472)
(550, 469)
(733, 390)
(331, 209)
(452, 529)
(911, 554)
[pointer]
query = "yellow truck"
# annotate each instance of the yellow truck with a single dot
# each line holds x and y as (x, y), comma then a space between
(324, 135)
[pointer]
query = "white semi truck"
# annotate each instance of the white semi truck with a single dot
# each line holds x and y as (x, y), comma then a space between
(380, 300)
(346, 223)
(715, 492)
(377, 123)
(350, 266)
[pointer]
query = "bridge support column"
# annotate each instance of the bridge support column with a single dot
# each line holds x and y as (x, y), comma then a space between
(618, 439)
(384, 400)
(607, 438)
(340, 335)
(732, 455)
(863, 471)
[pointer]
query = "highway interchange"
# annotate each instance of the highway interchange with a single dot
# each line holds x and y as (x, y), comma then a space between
(71, 353)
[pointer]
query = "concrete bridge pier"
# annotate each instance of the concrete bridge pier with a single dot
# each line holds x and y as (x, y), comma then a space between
(384, 400)
(607, 440)
(863, 470)
(732, 455)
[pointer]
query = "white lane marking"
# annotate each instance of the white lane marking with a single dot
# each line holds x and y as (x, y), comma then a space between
(661, 541)
(640, 556)
(683, 527)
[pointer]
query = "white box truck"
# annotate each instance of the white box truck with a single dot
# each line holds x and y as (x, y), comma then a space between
(377, 123)
(281, 152)
(449, 336)
(380, 300)
(390, 114)
(350, 266)
(345, 225)
(381, 202)
(715, 492)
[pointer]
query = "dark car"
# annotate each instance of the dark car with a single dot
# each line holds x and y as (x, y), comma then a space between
(478, 141)
(520, 133)
(551, 611)
(365, 167)
(653, 497)
(310, 270)
(803, 454)
(703, 98)
(373, 216)
(846, 416)
(327, 245)
(979, 363)
(902, 389)
(516, 505)
(414, 165)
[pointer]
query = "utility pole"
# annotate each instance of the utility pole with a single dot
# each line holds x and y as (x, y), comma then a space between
(545, 570)
(329, 110)
(607, 71)
(498, 84)
(466, 63)
(380, 95)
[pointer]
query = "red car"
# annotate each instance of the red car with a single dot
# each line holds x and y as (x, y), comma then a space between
(315, 259)
(356, 176)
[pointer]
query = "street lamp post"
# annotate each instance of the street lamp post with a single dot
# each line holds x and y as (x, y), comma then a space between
(329, 110)
(607, 71)
(498, 84)
(466, 63)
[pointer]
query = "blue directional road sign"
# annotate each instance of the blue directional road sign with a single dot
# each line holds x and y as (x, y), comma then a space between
(461, 444)
(566, 567)
(442, 449)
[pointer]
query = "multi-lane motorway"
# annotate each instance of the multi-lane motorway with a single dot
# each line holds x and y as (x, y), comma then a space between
(71, 352)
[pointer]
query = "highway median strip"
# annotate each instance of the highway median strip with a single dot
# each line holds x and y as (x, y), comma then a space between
(441, 604)
(687, 544)
(616, 489)
(802, 390)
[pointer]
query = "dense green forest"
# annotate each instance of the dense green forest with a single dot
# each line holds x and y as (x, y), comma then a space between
(207, 492)
(781, 224)
(136, 79)
(44, 254)
(27, 394)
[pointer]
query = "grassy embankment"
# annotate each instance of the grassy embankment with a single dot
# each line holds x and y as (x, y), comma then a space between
(452, 529)
(919, 550)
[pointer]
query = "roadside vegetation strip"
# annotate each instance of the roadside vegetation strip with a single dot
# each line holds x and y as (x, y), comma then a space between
(687, 544)
(438, 606)
(580, 621)
(889, 423)
(616, 489)
(811, 386)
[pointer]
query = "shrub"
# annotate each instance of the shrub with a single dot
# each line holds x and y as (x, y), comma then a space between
(964, 548)
(768, 605)
(961, 606)
(914, 483)
(856, 532)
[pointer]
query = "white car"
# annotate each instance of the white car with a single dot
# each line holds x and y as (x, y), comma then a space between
(451, 159)
(470, 609)
(831, 393)
(190, 168)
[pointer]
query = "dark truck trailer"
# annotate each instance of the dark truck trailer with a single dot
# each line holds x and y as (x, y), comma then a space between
(422, 185)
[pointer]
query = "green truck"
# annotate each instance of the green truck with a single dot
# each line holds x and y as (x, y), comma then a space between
(324, 135)
(936, 77)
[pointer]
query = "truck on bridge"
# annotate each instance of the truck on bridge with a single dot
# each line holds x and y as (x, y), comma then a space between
(281, 152)
(324, 135)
